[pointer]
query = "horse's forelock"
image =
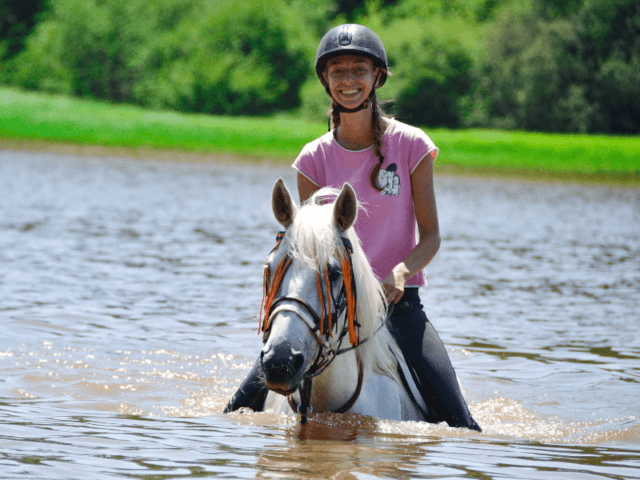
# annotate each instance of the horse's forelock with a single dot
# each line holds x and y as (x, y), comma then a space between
(313, 237)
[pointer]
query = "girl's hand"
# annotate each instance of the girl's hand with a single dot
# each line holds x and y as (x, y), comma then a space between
(393, 285)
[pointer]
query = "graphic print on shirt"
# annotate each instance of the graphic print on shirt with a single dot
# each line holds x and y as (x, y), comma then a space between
(389, 180)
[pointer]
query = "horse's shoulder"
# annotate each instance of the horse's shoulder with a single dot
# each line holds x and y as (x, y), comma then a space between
(381, 397)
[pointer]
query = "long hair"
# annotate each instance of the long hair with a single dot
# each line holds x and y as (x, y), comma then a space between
(377, 126)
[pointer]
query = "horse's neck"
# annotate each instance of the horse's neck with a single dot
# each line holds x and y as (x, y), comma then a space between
(334, 387)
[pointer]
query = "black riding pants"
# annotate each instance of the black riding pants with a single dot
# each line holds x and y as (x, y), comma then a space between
(426, 354)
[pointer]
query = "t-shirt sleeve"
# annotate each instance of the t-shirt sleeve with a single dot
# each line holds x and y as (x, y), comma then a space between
(309, 164)
(422, 148)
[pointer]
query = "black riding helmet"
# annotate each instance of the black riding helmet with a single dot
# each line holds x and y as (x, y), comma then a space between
(352, 39)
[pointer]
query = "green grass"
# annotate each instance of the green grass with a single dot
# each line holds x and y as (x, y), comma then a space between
(44, 118)
(582, 155)
(34, 116)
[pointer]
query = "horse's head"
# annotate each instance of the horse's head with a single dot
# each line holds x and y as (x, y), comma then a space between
(309, 289)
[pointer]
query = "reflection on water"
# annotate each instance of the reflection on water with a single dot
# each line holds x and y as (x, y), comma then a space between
(128, 295)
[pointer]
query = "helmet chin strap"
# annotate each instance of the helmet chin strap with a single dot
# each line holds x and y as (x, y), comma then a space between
(342, 109)
(362, 106)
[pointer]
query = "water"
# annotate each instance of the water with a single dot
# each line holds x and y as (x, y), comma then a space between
(128, 296)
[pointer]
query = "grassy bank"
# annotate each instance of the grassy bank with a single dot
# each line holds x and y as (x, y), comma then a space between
(29, 117)
(32, 116)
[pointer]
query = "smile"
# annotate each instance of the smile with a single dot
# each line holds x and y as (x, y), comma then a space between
(350, 93)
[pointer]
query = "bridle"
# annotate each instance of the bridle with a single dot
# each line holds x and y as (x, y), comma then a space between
(322, 326)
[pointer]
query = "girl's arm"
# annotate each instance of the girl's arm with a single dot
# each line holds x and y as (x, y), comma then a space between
(424, 204)
(306, 188)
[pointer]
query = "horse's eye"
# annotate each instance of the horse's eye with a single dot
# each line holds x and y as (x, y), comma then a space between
(334, 274)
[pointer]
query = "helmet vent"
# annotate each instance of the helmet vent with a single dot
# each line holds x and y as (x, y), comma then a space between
(345, 36)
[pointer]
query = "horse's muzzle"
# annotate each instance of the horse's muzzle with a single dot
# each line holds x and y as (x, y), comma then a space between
(283, 367)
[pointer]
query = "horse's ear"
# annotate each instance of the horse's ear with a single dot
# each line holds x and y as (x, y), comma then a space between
(283, 207)
(346, 208)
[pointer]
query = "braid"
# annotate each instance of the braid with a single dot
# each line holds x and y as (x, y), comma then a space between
(376, 123)
(335, 113)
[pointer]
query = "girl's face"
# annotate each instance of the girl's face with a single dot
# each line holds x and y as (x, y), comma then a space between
(350, 79)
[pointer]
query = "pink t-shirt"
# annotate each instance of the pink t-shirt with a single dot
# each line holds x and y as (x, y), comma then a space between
(387, 229)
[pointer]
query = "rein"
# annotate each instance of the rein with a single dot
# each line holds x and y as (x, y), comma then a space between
(323, 325)
(305, 396)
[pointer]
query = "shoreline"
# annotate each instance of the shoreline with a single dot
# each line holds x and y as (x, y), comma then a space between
(190, 156)
(134, 153)
(522, 174)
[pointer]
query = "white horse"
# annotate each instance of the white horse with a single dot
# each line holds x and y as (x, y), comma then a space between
(324, 317)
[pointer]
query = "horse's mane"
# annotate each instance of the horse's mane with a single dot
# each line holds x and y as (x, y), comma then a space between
(314, 239)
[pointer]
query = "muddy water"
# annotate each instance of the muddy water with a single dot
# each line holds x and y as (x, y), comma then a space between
(128, 291)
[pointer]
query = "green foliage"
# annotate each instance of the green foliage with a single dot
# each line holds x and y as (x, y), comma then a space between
(554, 68)
(609, 33)
(222, 60)
(191, 55)
(317, 17)
(431, 72)
(554, 9)
(470, 10)
(549, 65)
(39, 66)
(17, 19)
(354, 10)
(87, 48)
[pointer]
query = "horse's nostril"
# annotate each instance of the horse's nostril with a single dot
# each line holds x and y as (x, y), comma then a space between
(298, 362)
(282, 367)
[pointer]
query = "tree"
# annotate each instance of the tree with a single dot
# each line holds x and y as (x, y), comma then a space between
(17, 19)
(552, 68)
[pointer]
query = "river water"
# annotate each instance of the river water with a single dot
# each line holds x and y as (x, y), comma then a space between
(128, 296)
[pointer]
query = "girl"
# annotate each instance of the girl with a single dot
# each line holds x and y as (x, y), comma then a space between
(390, 166)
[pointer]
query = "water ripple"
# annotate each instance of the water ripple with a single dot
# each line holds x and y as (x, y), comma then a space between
(129, 291)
